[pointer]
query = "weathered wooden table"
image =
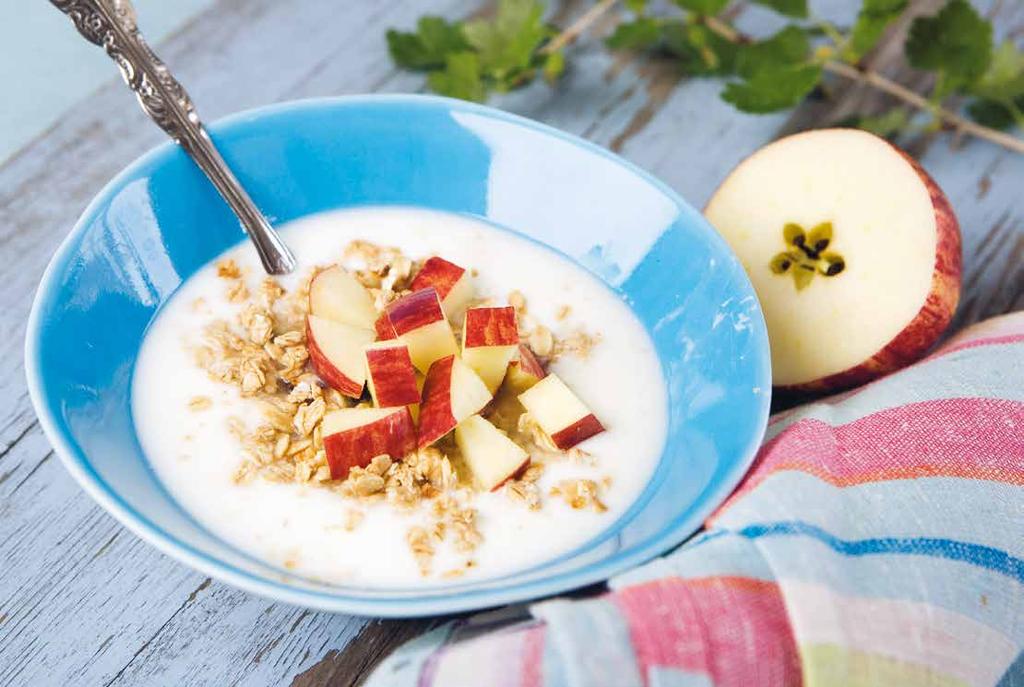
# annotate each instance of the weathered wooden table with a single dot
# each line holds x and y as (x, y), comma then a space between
(82, 601)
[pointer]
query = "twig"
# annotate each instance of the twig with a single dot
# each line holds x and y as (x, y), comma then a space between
(876, 80)
(578, 27)
(898, 91)
(866, 76)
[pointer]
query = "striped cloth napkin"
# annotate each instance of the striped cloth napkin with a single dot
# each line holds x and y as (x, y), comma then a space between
(878, 540)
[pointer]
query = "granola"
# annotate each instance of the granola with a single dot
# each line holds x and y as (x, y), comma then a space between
(262, 352)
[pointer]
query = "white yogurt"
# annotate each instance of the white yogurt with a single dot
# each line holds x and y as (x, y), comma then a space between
(302, 527)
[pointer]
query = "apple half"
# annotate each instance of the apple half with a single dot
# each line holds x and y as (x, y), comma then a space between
(335, 294)
(451, 393)
(336, 353)
(524, 371)
(490, 337)
(453, 284)
(491, 456)
(390, 374)
(852, 248)
(418, 320)
(354, 436)
(559, 412)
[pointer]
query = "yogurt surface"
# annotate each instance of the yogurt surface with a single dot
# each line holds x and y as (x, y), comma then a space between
(302, 527)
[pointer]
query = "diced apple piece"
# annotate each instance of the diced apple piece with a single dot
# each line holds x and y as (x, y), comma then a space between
(385, 332)
(490, 338)
(524, 372)
(453, 284)
(390, 375)
(335, 294)
(559, 412)
(852, 248)
(354, 436)
(451, 393)
(336, 353)
(492, 457)
(419, 321)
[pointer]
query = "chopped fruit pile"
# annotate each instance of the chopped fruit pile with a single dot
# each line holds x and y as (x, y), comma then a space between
(411, 339)
(396, 381)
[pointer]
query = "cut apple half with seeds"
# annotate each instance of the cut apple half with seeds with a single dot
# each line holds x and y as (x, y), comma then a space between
(418, 320)
(490, 338)
(852, 248)
(524, 371)
(453, 284)
(390, 375)
(336, 353)
(451, 393)
(559, 412)
(491, 456)
(354, 436)
(335, 294)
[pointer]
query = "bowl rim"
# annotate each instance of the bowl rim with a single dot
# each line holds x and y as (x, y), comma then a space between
(76, 463)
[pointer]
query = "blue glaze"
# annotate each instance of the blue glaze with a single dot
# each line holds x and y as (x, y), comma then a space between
(159, 221)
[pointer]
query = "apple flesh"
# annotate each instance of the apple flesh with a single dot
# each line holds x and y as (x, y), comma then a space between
(490, 338)
(559, 412)
(336, 353)
(418, 320)
(451, 393)
(452, 283)
(354, 436)
(391, 375)
(852, 248)
(491, 456)
(335, 294)
(523, 372)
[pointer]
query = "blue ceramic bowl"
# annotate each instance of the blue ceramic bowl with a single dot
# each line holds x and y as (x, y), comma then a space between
(159, 221)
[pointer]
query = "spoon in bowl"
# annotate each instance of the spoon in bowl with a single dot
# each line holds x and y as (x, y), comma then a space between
(111, 24)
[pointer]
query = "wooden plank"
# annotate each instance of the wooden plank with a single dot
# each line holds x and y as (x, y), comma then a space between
(87, 603)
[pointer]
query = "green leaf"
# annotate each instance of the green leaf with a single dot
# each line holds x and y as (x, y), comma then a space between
(956, 43)
(506, 44)
(996, 114)
(872, 20)
(789, 46)
(554, 65)
(700, 50)
(790, 8)
(640, 34)
(1004, 78)
(702, 6)
(636, 6)
(460, 78)
(885, 124)
(428, 46)
(773, 88)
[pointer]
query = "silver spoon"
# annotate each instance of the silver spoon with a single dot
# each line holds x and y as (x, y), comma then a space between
(111, 25)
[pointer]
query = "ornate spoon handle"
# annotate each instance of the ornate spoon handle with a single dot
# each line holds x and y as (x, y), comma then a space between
(111, 25)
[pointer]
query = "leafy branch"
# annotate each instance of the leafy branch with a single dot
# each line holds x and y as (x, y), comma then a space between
(473, 59)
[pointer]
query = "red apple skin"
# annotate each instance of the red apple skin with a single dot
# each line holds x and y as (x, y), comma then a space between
(439, 274)
(528, 363)
(326, 370)
(491, 327)
(394, 377)
(416, 310)
(385, 332)
(436, 417)
(394, 435)
(580, 430)
(931, 320)
(516, 474)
